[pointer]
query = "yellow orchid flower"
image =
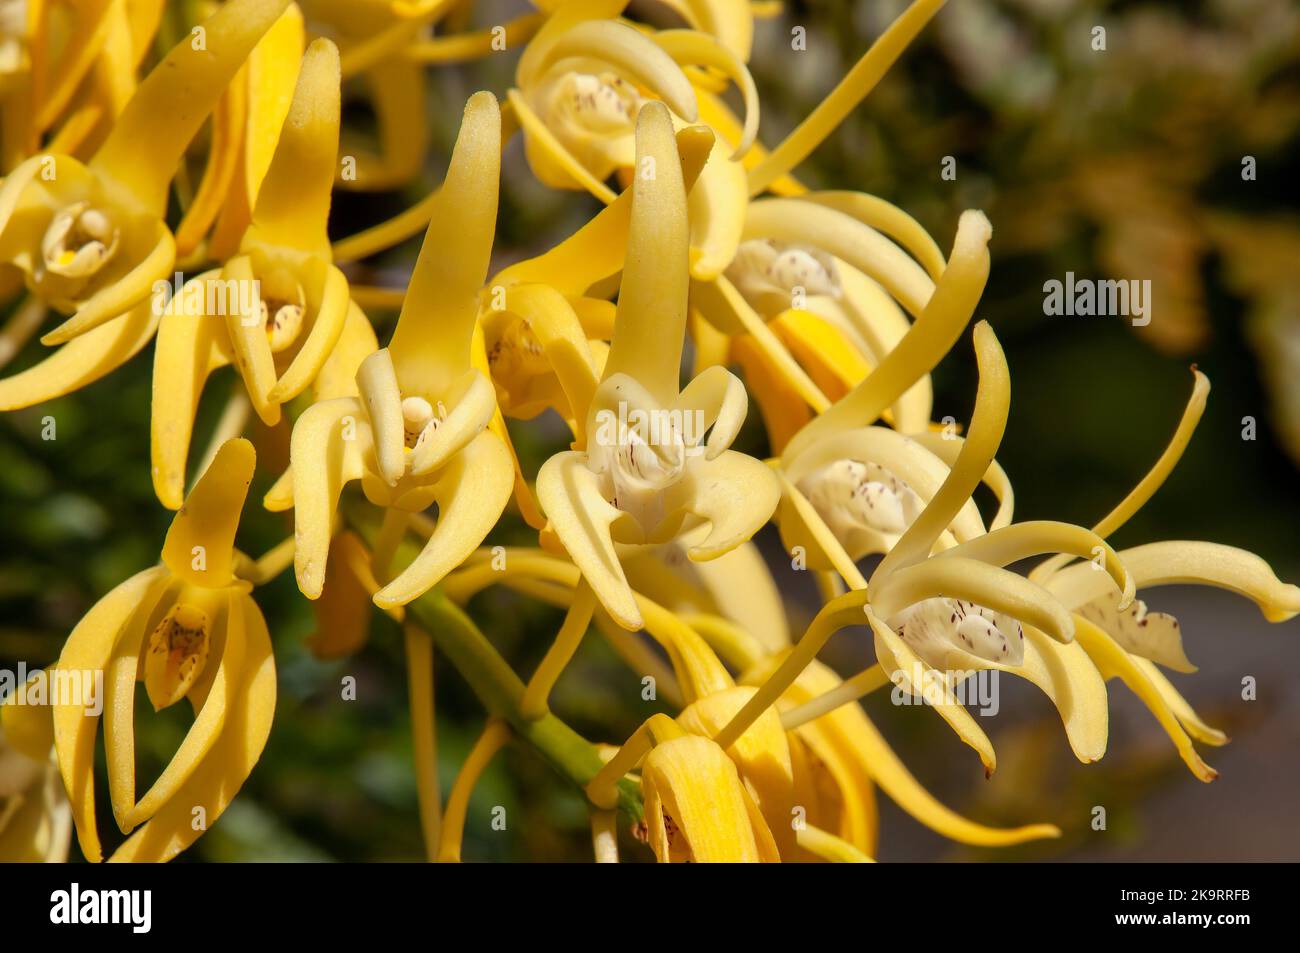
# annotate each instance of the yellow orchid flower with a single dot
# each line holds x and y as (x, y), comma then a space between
(696, 808)
(276, 310)
(188, 629)
(648, 474)
(938, 619)
(35, 820)
(546, 333)
(581, 82)
(1128, 642)
(824, 272)
(90, 238)
(416, 433)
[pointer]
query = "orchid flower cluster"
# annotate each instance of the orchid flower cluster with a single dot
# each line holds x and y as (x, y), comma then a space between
(828, 308)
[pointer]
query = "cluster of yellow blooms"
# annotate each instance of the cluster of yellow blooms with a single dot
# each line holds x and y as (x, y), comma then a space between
(834, 306)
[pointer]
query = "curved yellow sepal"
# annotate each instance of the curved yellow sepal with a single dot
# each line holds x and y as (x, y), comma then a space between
(431, 345)
(88, 649)
(471, 492)
(200, 544)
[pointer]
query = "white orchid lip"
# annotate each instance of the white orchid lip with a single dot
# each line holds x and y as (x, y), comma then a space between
(599, 102)
(933, 628)
(635, 472)
(768, 272)
(79, 241)
(865, 505)
(284, 317)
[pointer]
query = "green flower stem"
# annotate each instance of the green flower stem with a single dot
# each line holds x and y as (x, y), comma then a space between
(491, 678)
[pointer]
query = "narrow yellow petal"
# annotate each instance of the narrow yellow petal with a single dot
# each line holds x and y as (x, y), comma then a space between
(902, 664)
(190, 347)
(227, 138)
(888, 219)
(947, 447)
(596, 251)
(293, 201)
(1178, 561)
(200, 544)
(721, 400)
(377, 382)
(829, 847)
(582, 519)
(651, 325)
(471, 493)
(946, 314)
(855, 86)
(431, 345)
(731, 21)
(82, 361)
(1155, 477)
(1112, 661)
(716, 209)
(988, 422)
(692, 46)
(733, 493)
(1002, 547)
(250, 346)
(120, 676)
(326, 453)
(1179, 705)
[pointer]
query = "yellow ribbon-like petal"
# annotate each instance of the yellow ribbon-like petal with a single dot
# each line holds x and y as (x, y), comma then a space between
(946, 314)
(471, 492)
(431, 345)
(293, 201)
(327, 451)
(651, 324)
(83, 360)
(200, 544)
